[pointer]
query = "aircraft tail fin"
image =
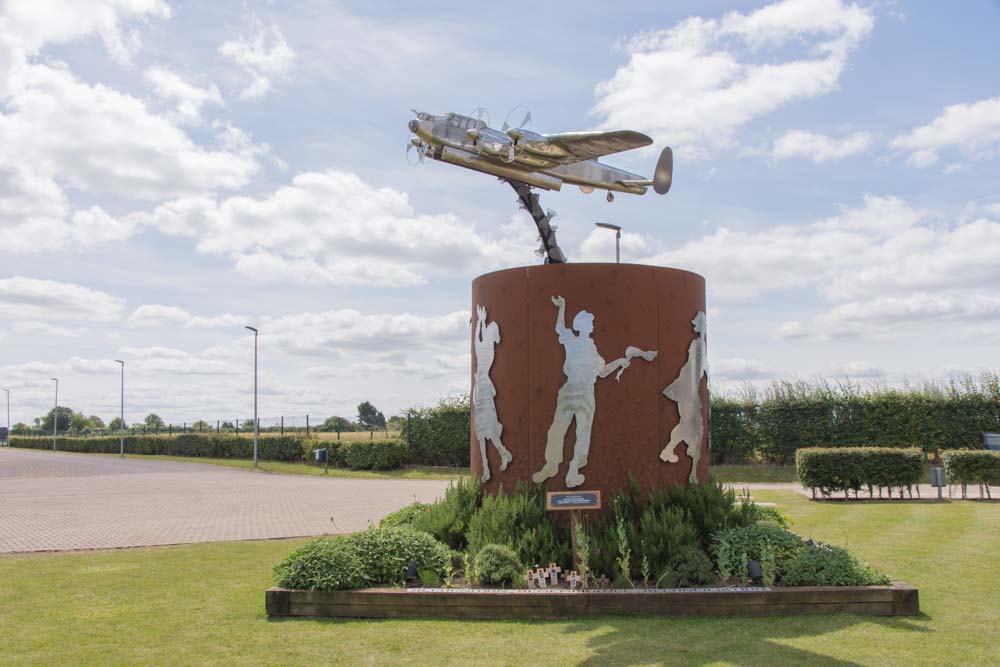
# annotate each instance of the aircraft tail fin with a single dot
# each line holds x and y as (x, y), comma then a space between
(664, 174)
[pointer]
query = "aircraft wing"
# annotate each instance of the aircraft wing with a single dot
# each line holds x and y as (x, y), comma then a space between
(577, 146)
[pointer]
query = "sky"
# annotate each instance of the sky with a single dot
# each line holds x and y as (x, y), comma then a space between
(173, 171)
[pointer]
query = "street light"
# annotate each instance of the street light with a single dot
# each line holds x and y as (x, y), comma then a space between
(121, 418)
(255, 434)
(55, 415)
(618, 238)
(8, 416)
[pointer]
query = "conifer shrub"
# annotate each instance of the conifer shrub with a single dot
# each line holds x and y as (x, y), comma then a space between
(498, 565)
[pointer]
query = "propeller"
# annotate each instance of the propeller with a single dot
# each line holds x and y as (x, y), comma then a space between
(480, 112)
(525, 121)
(421, 151)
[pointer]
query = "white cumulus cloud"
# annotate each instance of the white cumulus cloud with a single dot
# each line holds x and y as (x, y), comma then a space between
(34, 299)
(263, 57)
(819, 147)
(971, 129)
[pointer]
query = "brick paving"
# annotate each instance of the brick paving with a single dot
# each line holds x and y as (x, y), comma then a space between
(51, 501)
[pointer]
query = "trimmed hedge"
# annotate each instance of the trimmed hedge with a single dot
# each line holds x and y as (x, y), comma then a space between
(830, 469)
(973, 467)
(360, 455)
(214, 446)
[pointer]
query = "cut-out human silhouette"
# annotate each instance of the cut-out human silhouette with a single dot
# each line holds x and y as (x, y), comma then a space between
(487, 425)
(685, 391)
(583, 365)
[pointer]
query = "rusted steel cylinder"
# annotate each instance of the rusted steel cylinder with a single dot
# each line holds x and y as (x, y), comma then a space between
(538, 385)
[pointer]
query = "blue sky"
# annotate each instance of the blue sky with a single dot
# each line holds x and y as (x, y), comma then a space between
(170, 171)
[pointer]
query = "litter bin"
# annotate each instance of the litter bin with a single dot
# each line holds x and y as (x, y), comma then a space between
(320, 455)
(991, 441)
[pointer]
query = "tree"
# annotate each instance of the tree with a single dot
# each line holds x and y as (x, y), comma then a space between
(154, 421)
(78, 422)
(19, 427)
(369, 416)
(116, 424)
(247, 425)
(201, 425)
(227, 426)
(63, 423)
(95, 421)
(396, 423)
(338, 424)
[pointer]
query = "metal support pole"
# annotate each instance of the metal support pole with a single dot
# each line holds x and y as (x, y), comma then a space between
(121, 417)
(8, 416)
(55, 415)
(256, 423)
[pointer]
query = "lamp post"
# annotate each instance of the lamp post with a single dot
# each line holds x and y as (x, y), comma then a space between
(8, 415)
(618, 238)
(121, 417)
(255, 434)
(55, 415)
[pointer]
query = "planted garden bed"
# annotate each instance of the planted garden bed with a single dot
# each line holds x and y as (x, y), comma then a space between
(897, 599)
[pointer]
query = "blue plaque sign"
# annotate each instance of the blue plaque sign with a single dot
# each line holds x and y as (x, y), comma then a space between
(573, 500)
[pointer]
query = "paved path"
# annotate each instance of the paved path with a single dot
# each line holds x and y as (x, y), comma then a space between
(927, 492)
(61, 501)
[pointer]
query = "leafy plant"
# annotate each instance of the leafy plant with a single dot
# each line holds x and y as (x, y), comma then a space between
(449, 519)
(966, 467)
(323, 565)
(853, 468)
(497, 565)
(520, 522)
(428, 577)
(386, 553)
(826, 565)
(692, 567)
(768, 565)
(624, 553)
(405, 516)
(733, 548)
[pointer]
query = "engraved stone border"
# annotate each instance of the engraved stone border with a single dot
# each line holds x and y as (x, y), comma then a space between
(898, 599)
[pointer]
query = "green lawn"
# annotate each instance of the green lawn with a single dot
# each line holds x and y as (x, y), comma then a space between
(751, 474)
(203, 604)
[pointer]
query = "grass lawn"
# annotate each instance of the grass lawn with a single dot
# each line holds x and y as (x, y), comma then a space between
(752, 474)
(204, 603)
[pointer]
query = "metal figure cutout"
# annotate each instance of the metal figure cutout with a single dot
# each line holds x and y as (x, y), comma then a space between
(685, 392)
(525, 159)
(487, 424)
(576, 400)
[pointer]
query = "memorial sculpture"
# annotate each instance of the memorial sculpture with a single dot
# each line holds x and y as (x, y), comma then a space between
(520, 392)
(583, 365)
(686, 392)
(487, 424)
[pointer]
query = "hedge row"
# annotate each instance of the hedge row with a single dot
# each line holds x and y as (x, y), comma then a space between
(973, 467)
(830, 469)
(283, 448)
(361, 455)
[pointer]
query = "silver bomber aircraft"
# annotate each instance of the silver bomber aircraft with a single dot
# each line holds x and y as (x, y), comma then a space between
(541, 160)
(525, 159)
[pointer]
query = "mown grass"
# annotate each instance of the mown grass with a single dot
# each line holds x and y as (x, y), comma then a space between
(754, 474)
(204, 604)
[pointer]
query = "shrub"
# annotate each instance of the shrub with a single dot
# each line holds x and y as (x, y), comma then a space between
(498, 565)
(440, 435)
(324, 565)
(211, 445)
(448, 519)
(760, 541)
(973, 467)
(405, 516)
(826, 565)
(374, 454)
(386, 553)
(520, 522)
(692, 567)
(849, 469)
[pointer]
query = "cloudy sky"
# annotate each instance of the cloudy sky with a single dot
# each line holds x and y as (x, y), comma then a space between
(171, 171)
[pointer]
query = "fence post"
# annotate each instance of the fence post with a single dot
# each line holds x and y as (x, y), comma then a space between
(307, 429)
(338, 428)
(218, 426)
(237, 427)
(282, 424)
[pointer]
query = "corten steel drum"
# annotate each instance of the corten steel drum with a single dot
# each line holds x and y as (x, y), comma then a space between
(643, 307)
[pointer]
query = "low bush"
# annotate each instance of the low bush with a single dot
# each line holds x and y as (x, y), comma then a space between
(385, 553)
(520, 522)
(448, 519)
(405, 516)
(498, 565)
(373, 454)
(322, 565)
(826, 565)
(439, 435)
(853, 468)
(973, 467)
(735, 547)
(692, 567)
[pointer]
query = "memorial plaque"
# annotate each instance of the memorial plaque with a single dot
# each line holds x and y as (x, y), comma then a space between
(573, 500)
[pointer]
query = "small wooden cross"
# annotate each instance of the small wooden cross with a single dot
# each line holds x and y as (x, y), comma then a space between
(573, 578)
(530, 578)
(540, 575)
(554, 571)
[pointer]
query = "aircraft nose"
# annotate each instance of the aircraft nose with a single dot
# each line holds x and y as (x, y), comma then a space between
(414, 125)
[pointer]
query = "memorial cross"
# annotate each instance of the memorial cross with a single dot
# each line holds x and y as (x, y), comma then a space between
(540, 576)
(554, 571)
(573, 578)
(530, 578)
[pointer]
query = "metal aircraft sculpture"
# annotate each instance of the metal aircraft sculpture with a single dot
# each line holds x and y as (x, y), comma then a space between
(525, 159)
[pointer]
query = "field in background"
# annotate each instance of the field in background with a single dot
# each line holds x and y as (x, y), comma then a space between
(204, 604)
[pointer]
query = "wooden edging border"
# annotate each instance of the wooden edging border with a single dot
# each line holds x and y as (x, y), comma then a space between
(898, 599)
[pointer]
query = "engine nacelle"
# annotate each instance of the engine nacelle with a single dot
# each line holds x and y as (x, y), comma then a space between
(521, 136)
